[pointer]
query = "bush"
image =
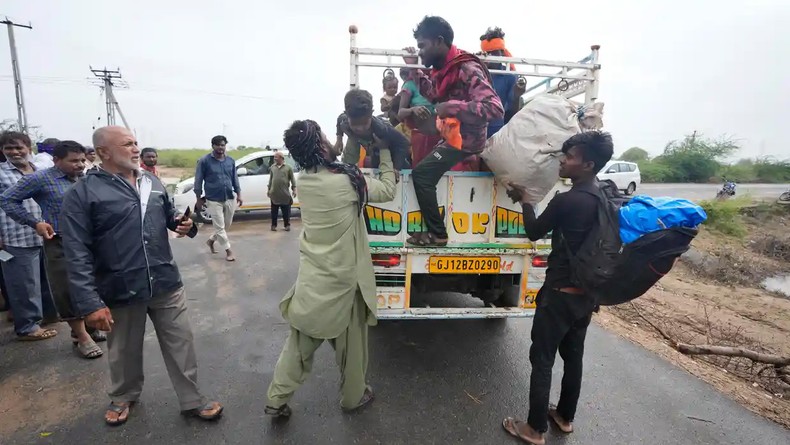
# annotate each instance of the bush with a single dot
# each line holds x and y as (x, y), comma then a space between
(770, 170)
(725, 216)
(740, 173)
(653, 171)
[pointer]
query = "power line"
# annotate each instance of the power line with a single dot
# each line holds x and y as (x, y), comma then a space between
(111, 78)
(20, 97)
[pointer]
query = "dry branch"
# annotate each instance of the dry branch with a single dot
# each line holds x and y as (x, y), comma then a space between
(730, 351)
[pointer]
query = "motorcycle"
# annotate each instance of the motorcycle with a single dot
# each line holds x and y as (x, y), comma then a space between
(784, 198)
(727, 190)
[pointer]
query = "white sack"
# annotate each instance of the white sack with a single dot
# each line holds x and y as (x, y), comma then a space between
(526, 150)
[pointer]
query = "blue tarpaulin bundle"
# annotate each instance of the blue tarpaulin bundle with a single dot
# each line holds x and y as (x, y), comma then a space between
(645, 214)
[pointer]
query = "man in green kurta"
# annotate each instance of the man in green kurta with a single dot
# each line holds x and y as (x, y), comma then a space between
(334, 298)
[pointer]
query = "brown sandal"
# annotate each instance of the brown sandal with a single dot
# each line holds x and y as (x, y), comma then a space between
(198, 412)
(511, 426)
(564, 426)
(41, 334)
(119, 409)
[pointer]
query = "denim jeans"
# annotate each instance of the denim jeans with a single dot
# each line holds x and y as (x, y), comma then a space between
(28, 290)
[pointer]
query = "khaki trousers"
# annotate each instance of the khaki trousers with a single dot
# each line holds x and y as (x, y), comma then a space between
(221, 218)
(169, 316)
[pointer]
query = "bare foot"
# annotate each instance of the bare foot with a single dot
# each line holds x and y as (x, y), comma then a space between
(523, 431)
(564, 426)
(210, 244)
(229, 256)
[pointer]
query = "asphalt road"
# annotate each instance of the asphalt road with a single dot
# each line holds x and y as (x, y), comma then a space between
(426, 375)
(698, 192)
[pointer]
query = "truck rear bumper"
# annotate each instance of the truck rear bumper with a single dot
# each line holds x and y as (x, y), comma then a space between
(429, 313)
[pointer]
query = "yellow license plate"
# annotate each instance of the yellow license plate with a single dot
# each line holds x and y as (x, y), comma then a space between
(461, 264)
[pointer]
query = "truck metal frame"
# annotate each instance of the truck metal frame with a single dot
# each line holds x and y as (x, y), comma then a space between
(484, 226)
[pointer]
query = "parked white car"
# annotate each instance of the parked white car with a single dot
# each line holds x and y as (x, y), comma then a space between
(625, 175)
(253, 171)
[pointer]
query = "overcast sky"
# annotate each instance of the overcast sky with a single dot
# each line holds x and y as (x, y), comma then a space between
(248, 68)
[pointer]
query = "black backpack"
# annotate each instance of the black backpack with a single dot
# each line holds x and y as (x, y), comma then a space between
(613, 273)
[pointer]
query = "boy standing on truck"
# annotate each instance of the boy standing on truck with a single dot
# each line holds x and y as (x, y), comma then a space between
(563, 309)
(460, 87)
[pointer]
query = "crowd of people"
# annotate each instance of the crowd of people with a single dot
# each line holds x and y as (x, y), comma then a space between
(87, 239)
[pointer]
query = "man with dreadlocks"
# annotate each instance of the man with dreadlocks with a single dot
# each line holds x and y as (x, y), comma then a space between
(334, 298)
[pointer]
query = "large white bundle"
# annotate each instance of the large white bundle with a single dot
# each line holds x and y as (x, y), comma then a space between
(526, 150)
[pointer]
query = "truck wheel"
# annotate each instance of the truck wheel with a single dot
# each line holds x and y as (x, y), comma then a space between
(509, 297)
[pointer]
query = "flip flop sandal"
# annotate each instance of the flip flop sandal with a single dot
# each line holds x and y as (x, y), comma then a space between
(367, 397)
(119, 409)
(198, 412)
(510, 425)
(89, 350)
(433, 241)
(97, 336)
(283, 411)
(43, 334)
(418, 239)
(556, 417)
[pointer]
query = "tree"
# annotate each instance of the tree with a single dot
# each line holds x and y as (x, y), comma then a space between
(635, 154)
(12, 125)
(695, 158)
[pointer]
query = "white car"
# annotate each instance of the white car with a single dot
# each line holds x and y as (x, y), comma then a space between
(253, 171)
(625, 175)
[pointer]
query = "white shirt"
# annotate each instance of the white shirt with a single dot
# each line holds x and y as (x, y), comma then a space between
(43, 161)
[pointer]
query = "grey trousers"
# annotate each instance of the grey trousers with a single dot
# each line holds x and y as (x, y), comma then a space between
(125, 348)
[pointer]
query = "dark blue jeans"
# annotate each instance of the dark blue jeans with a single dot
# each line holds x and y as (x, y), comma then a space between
(28, 289)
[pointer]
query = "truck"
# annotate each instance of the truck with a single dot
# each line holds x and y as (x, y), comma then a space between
(488, 255)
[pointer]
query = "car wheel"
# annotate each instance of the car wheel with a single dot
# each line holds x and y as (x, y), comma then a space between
(202, 215)
(631, 189)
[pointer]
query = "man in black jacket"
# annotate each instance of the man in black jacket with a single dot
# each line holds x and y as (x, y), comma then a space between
(120, 267)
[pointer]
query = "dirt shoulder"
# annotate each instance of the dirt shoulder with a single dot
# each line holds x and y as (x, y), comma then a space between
(716, 296)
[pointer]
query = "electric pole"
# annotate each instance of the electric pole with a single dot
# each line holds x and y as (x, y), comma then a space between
(110, 79)
(20, 98)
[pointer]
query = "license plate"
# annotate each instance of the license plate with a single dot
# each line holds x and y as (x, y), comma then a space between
(460, 264)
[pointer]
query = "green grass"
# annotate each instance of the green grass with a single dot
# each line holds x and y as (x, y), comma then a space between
(727, 216)
(188, 158)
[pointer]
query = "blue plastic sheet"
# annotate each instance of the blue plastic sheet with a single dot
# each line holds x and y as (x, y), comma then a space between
(645, 214)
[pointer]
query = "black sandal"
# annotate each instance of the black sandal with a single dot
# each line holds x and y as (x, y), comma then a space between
(283, 411)
(198, 412)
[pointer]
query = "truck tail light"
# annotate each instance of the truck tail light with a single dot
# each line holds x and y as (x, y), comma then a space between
(386, 260)
(540, 261)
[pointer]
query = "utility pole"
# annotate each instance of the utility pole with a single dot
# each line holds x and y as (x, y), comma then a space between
(20, 98)
(110, 79)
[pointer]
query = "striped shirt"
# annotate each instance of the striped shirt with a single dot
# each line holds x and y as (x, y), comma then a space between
(11, 232)
(46, 187)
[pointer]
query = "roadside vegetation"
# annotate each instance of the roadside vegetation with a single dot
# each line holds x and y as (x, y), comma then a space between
(187, 158)
(698, 159)
(723, 312)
